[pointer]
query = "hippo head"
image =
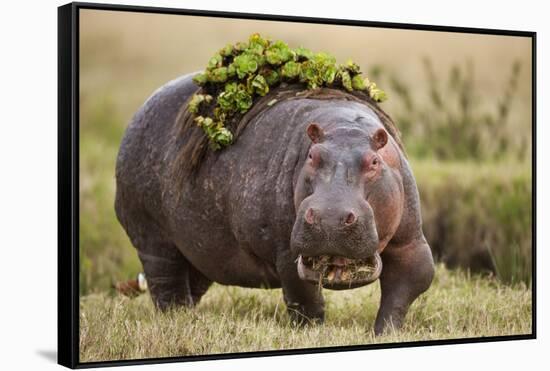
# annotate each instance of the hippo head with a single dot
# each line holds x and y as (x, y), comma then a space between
(349, 203)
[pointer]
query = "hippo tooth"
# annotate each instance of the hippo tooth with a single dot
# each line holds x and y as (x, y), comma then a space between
(338, 272)
(340, 261)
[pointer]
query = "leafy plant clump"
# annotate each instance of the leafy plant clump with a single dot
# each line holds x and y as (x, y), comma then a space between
(239, 73)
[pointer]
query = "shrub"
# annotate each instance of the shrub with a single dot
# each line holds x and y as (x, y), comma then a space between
(479, 216)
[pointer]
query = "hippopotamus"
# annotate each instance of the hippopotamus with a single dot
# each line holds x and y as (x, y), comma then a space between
(313, 193)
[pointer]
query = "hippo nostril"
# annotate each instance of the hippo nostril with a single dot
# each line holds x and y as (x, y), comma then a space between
(309, 216)
(351, 218)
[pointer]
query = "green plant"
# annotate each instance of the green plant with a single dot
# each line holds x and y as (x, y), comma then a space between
(237, 74)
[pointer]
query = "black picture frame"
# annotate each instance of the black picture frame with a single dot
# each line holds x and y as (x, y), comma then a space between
(68, 180)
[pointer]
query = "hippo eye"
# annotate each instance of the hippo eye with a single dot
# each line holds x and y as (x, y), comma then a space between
(310, 156)
(371, 163)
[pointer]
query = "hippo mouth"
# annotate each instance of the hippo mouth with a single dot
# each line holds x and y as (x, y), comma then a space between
(339, 273)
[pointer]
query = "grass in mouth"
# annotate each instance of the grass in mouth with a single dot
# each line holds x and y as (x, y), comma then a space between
(354, 269)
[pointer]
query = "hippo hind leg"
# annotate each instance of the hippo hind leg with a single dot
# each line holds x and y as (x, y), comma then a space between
(171, 279)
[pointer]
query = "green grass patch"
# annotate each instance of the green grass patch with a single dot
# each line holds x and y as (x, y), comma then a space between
(232, 319)
(106, 254)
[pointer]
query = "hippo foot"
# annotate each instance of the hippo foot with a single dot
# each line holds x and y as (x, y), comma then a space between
(301, 316)
(390, 323)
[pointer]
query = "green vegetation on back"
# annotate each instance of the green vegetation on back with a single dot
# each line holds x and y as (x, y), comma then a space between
(237, 74)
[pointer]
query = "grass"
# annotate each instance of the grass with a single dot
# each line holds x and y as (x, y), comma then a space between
(106, 254)
(232, 319)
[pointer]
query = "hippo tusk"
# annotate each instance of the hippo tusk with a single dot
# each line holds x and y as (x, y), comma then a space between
(378, 266)
(305, 273)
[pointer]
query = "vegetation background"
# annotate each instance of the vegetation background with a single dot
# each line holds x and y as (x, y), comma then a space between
(463, 104)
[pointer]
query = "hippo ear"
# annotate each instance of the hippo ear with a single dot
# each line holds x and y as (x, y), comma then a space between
(315, 133)
(379, 138)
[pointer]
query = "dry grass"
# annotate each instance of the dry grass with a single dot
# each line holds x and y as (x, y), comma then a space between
(231, 319)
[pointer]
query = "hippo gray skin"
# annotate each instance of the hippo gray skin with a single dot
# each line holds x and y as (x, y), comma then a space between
(306, 180)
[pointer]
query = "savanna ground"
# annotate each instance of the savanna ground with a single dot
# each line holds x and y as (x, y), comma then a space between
(463, 104)
(232, 319)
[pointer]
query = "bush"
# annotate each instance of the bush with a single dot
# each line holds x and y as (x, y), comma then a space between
(479, 216)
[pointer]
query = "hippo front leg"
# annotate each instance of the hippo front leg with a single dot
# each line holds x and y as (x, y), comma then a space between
(304, 301)
(407, 272)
